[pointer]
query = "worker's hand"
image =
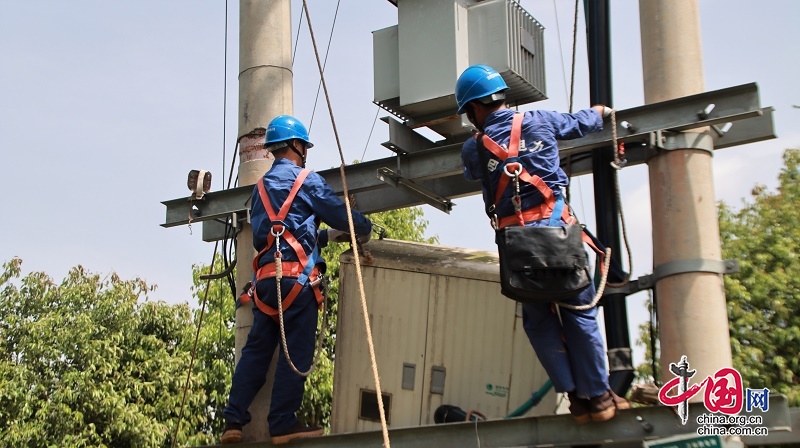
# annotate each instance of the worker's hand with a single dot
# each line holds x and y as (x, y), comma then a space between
(364, 238)
(604, 111)
(337, 236)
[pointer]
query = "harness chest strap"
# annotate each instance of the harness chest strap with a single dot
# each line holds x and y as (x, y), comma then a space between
(546, 208)
(510, 159)
(304, 269)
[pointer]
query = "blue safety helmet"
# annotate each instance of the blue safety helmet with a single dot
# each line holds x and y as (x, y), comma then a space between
(284, 128)
(478, 81)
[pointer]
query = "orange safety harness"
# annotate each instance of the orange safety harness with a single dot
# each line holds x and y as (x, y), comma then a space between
(515, 171)
(304, 270)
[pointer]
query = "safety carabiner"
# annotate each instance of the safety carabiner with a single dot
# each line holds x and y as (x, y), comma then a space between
(516, 172)
(275, 224)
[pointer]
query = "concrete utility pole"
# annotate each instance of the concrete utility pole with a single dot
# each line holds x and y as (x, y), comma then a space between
(265, 91)
(693, 318)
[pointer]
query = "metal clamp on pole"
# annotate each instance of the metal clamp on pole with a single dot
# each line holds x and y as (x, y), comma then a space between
(695, 265)
(670, 141)
(724, 267)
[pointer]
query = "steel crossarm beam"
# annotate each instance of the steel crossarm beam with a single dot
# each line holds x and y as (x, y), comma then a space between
(628, 427)
(432, 164)
(749, 130)
(214, 205)
(393, 198)
(679, 114)
(422, 165)
(438, 168)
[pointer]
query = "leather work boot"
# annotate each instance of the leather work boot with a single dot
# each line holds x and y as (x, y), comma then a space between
(298, 431)
(232, 433)
(579, 408)
(605, 406)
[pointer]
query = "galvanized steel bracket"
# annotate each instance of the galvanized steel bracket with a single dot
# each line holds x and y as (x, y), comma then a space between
(665, 140)
(673, 268)
(414, 189)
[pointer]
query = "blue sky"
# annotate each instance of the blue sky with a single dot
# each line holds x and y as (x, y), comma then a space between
(105, 106)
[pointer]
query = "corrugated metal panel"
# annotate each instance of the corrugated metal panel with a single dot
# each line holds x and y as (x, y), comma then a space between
(417, 63)
(437, 308)
(471, 329)
(526, 52)
(504, 36)
(398, 306)
(386, 66)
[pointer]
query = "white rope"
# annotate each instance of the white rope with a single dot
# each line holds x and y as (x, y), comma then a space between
(318, 345)
(353, 240)
(618, 163)
(600, 288)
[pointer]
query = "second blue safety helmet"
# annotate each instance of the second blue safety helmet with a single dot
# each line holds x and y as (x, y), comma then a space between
(284, 128)
(477, 81)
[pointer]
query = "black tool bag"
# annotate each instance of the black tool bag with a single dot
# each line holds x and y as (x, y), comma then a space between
(542, 264)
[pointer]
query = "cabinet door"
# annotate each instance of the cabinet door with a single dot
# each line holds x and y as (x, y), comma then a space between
(471, 336)
(398, 310)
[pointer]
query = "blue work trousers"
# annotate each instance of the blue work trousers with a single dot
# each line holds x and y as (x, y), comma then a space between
(300, 323)
(571, 350)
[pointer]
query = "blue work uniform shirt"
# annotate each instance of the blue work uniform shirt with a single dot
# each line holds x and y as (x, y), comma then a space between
(541, 131)
(315, 202)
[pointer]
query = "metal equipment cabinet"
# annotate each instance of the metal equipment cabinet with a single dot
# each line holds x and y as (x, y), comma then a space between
(443, 334)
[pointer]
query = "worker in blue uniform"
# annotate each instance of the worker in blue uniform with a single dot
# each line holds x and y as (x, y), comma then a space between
(570, 347)
(304, 200)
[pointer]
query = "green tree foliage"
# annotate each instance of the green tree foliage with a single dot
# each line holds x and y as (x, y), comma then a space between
(215, 346)
(93, 362)
(647, 372)
(763, 299)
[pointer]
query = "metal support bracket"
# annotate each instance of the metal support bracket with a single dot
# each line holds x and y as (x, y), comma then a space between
(670, 141)
(429, 197)
(236, 222)
(217, 229)
(403, 139)
(724, 267)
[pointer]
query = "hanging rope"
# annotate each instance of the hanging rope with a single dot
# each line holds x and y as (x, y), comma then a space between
(224, 91)
(318, 346)
(353, 240)
(618, 163)
(574, 47)
(571, 92)
(600, 289)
